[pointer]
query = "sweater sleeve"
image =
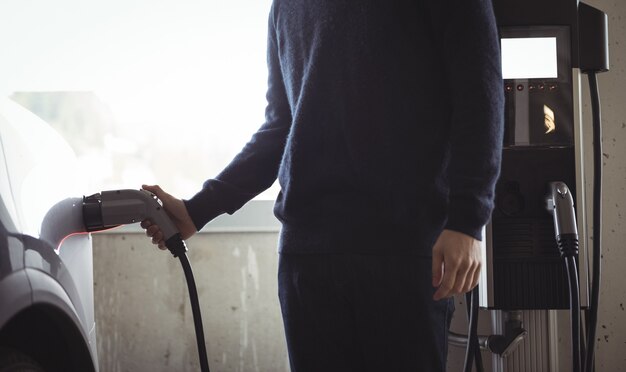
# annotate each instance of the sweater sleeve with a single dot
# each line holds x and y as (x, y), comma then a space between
(255, 168)
(467, 34)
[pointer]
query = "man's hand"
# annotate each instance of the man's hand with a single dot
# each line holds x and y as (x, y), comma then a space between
(456, 264)
(177, 212)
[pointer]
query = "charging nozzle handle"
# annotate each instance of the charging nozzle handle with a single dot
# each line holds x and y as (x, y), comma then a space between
(560, 203)
(120, 207)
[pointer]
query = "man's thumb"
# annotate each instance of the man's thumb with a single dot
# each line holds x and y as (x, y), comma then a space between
(437, 268)
(155, 189)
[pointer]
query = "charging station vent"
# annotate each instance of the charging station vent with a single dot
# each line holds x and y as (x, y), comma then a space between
(528, 272)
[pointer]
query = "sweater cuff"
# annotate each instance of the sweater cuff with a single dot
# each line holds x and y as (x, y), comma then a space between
(468, 217)
(202, 208)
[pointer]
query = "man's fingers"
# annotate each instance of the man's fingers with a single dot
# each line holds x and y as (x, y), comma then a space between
(447, 283)
(463, 279)
(461, 258)
(152, 230)
(174, 208)
(458, 277)
(444, 289)
(155, 189)
(158, 237)
(471, 278)
(476, 277)
(151, 188)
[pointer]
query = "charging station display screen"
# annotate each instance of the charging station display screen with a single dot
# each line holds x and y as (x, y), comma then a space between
(529, 58)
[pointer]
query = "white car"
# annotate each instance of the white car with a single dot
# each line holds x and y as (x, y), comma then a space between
(46, 271)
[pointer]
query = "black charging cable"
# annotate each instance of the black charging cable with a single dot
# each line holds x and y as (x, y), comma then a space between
(597, 220)
(472, 353)
(473, 317)
(177, 247)
(568, 246)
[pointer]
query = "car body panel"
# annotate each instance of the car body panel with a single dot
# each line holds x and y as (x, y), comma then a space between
(44, 258)
(15, 294)
(42, 169)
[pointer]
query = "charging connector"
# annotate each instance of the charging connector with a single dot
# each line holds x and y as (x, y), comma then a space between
(561, 204)
(120, 207)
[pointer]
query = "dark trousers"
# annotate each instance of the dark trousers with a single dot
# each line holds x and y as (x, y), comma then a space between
(350, 312)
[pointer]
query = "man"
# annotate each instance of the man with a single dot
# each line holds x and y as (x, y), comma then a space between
(384, 128)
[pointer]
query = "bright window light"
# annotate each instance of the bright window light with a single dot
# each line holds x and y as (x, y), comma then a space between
(144, 91)
(529, 58)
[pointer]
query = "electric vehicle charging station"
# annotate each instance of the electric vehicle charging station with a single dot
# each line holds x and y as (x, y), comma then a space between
(536, 237)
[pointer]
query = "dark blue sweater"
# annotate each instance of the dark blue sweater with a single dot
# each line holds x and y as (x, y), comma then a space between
(383, 125)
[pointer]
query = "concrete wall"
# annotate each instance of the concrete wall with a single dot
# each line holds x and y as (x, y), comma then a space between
(144, 319)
